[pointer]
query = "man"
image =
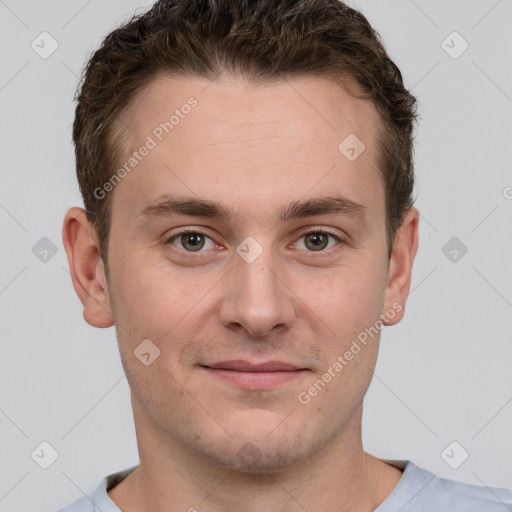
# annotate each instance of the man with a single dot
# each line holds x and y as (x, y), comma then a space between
(246, 169)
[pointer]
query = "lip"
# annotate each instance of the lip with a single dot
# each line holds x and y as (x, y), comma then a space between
(255, 376)
(246, 366)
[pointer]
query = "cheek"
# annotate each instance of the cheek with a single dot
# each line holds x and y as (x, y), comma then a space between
(348, 335)
(160, 303)
(346, 299)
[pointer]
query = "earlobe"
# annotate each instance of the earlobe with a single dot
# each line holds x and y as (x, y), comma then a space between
(405, 248)
(86, 268)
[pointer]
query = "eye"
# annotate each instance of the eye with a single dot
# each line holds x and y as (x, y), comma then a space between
(317, 240)
(191, 241)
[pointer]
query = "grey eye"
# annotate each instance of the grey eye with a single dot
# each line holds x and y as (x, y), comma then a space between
(192, 241)
(318, 241)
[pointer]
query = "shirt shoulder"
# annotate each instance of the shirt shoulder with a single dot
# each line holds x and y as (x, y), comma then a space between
(420, 490)
(99, 500)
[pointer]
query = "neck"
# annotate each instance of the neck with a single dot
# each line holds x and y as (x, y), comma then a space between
(340, 476)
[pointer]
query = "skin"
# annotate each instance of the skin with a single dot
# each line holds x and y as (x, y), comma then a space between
(255, 149)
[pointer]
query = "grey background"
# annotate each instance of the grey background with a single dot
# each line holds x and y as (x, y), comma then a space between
(443, 373)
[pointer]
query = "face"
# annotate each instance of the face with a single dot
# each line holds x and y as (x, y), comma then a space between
(284, 265)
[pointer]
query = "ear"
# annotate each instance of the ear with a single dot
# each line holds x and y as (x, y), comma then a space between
(86, 268)
(405, 247)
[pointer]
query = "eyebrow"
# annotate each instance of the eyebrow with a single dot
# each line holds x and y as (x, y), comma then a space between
(171, 206)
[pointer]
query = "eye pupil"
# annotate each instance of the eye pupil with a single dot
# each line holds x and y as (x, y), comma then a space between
(319, 240)
(195, 240)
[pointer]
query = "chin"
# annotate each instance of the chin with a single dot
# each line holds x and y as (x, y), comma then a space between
(259, 458)
(263, 451)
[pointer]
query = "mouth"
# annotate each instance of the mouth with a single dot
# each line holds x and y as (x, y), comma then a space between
(255, 376)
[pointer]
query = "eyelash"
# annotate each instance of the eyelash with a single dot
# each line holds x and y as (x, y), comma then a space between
(312, 231)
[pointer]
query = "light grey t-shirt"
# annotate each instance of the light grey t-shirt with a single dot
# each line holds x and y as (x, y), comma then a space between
(418, 490)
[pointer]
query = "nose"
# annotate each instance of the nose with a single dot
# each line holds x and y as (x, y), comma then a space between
(257, 297)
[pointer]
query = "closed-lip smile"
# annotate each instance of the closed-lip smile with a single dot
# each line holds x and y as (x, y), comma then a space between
(255, 376)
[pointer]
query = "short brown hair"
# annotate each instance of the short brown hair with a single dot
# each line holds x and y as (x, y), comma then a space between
(262, 40)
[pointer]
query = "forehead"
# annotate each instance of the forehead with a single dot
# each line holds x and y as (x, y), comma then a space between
(252, 141)
(306, 107)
